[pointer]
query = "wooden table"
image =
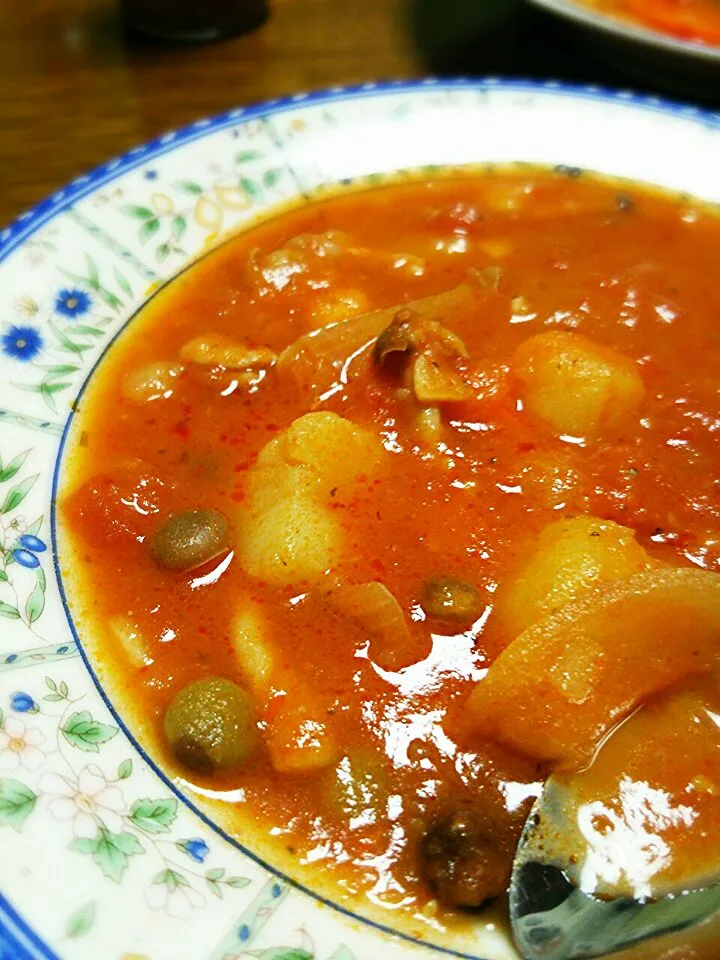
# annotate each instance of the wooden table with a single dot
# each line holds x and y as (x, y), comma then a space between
(75, 88)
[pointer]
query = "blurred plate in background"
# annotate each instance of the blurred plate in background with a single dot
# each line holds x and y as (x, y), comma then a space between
(633, 48)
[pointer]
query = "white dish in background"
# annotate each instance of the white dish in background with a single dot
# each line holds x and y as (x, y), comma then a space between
(664, 60)
(162, 882)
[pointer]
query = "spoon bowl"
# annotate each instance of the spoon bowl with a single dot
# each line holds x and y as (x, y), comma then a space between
(552, 918)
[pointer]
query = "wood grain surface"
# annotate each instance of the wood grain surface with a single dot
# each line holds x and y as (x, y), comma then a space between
(76, 88)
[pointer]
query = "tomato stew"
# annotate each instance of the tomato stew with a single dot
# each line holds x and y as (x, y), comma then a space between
(394, 504)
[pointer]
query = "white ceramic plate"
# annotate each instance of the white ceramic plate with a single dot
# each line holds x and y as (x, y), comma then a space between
(101, 857)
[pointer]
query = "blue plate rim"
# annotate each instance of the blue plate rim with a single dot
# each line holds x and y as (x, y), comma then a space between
(30, 221)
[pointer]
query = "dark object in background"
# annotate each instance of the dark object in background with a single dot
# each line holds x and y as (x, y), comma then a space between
(193, 20)
(516, 38)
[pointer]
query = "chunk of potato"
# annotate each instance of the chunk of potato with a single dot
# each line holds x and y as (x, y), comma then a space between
(571, 556)
(299, 737)
(552, 480)
(153, 381)
(287, 533)
(336, 450)
(576, 386)
(253, 650)
(335, 307)
(298, 728)
(215, 349)
(557, 689)
(295, 539)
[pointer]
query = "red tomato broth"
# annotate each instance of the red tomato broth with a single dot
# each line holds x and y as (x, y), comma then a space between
(632, 272)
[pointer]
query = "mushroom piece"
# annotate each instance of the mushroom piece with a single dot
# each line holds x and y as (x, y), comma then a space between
(433, 351)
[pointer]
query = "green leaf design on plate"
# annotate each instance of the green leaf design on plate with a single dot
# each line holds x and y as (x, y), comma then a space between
(140, 213)
(35, 527)
(245, 156)
(110, 851)
(271, 177)
(93, 273)
(86, 331)
(3, 577)
(81, 921)
(8, 472)
(81, 731)
(149, 229)
(251, 188)
(178, 226)
(58, 692)
(285, 953)
(237, 883)
(154, 816)
(17, 802)
(66, 343)
(60, 369)
(17, 494)
(214, 888)
(171, 879)
(110, 299)
(163, 252)
(48, 389)
(36, 601)
(189, 186)
(125, 769)
(122, 282)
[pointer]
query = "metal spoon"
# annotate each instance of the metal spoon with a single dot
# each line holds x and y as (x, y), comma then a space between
(552, 918)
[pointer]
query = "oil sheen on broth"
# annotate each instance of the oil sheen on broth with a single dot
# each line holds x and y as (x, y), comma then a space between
(398, 502)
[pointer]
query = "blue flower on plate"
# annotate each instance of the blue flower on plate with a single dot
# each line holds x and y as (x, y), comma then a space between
(26, 558)
(151, 174)
(196, 849)
(21, 343)
(22, 702)
(35, 544)
(72, 303)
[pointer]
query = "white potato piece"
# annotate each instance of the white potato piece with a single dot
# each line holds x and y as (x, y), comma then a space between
(569, 558)
(563, 683)
(297, 730)
(335, 449)
(300, 737)
(334, 307)
(152, 381)
(253, 650)
(297, 539)
(287, 532)
(576, 386)
(217, 350)
(132, 640)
